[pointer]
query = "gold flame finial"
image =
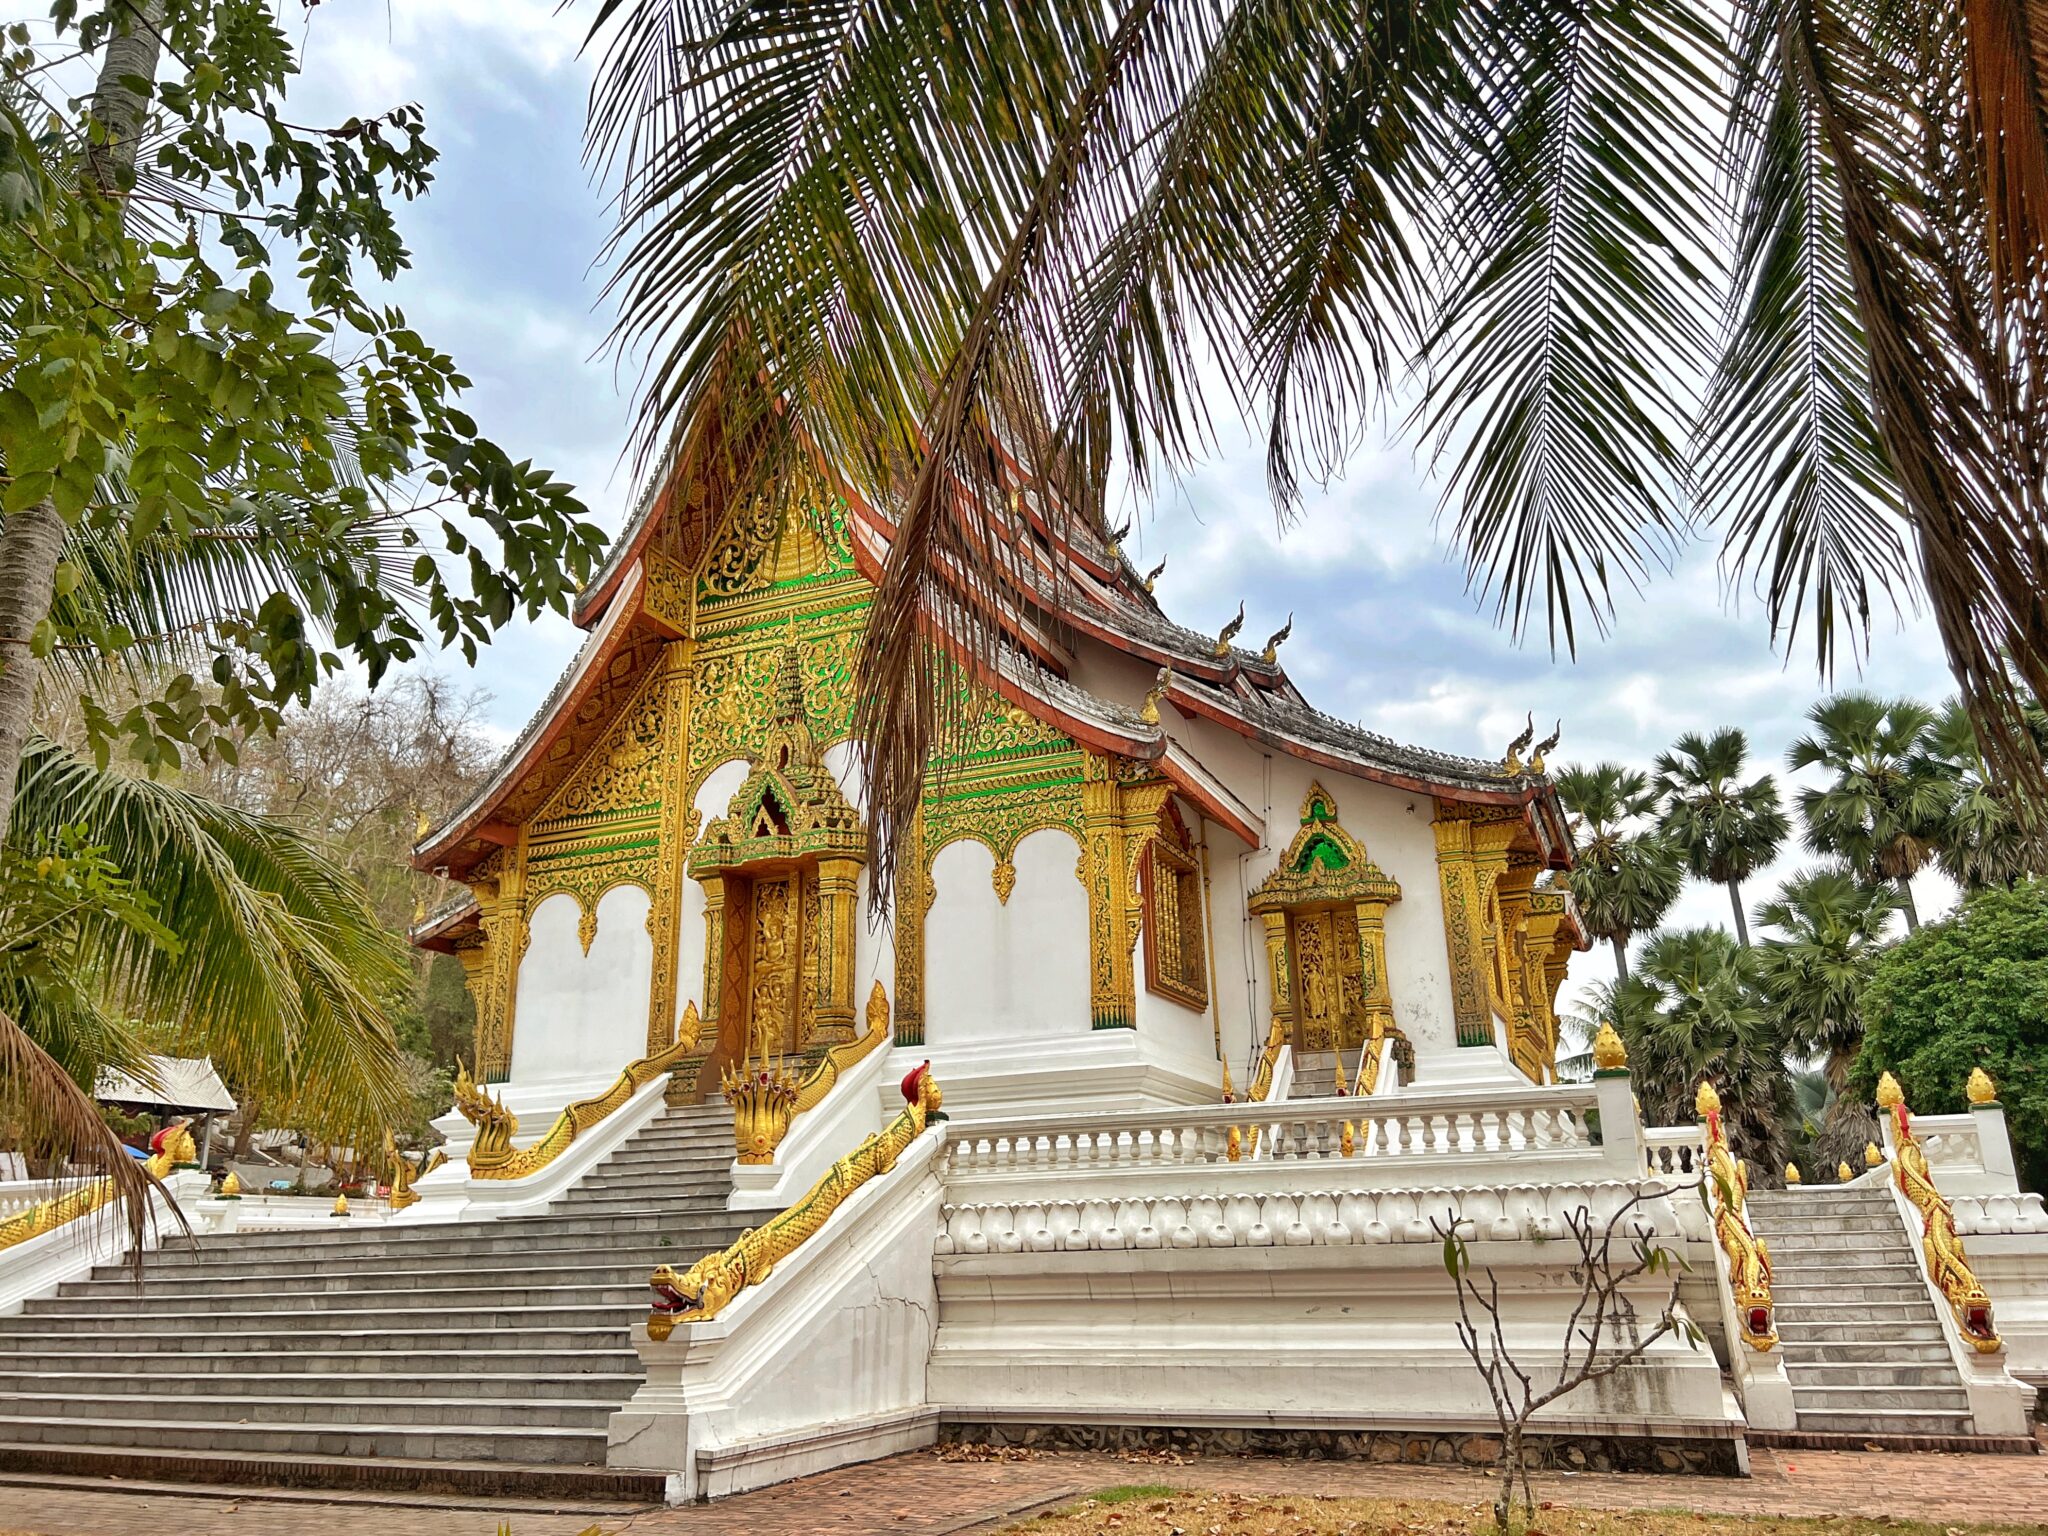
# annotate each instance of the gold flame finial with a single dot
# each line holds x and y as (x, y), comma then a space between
(1791, 1173)
(1889, 1094)
(1150, 712)
(341, 1205)
(1229, 632)
(1706, 1101)
(1871, 1156)
(1843, 1171)
(1609, 1054)
(1981, 1090)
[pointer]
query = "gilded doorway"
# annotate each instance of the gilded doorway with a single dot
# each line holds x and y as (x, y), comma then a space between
(1324, 910)
(779, 871)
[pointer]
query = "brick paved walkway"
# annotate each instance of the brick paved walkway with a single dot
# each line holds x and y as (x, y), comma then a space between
(919, 1493)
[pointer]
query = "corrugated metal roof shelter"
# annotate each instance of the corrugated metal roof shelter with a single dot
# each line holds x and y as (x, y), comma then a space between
(185, 1085)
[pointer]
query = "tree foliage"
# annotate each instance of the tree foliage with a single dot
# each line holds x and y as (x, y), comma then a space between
(971, 257)
(1968, 991)
(1727, 828)
(1626, 873)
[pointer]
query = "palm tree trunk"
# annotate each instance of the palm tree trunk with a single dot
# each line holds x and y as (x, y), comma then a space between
(1910, 909)
(32, 541)
(1620, 957)
(1741, 918)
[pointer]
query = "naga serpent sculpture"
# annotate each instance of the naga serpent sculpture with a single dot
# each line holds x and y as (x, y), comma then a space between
(1939, 1244)
(1749, 1260)
(704, 1289)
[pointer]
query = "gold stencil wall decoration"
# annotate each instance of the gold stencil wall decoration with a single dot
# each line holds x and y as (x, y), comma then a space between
(1472, 844)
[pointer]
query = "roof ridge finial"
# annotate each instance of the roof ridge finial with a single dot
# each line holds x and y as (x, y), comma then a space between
(1511, 765)
(1152, 576)
(1229, 631)
(1271, 654)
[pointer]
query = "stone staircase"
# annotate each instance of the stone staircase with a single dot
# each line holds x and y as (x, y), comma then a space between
(478, 1357)
(1315, 1074)
(1864, 1346)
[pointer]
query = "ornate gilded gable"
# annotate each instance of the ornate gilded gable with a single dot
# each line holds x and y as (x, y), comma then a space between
(789, 806)
(1323, 863)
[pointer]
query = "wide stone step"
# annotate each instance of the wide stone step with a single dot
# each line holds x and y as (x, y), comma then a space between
(446, 1442)
(1879, 1374)
(1817, 1267)
(1831, 1226)
(1815, 1309)
(1856, 1331)
(284, 1338)
(1801, 1291)
(520, 1236)
(523, 1412)
(447, 1323)
(1887, 1421)
(591, 1269)
(625, 1205)
(433, 1299)
(488, 1366)
(1871, 1398)
(1813, 1355)
(559, 1484)
(659, 1246)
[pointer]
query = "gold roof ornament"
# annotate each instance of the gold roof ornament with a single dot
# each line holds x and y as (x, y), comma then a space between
(1609, 1054)
(1843, 1172)
(1545, 746)
(1872, 1158)
(424, 826)
(1271, 654)
(1980, 1089)
(1706, 1101)
(1511, 765)
(1115, 551)
(231, 1186)
(1791, 1173)
(1149, 713)
(1229, 632)
(1889, 1094)
(341, 1205)
(1152, 576)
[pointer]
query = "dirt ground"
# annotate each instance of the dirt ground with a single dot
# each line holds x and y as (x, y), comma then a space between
(1153, 1509)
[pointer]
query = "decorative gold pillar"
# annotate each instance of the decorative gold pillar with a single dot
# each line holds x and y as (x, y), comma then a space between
(837, 881)
(1471, 853)
(1112, 983)
(1541, 929)
(501, 905)
(1279, 969)
(1376, 994)
(914, 892)
(714, 953)
(678, 830)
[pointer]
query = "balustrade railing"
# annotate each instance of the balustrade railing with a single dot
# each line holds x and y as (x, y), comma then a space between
(1484, 1213)
(1675, 1152)
(1535, 1121)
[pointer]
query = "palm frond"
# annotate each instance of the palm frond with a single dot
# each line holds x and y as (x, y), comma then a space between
(280, 971)
(1564, 363)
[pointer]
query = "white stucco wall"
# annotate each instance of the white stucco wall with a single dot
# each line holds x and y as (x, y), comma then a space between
(583, 1016)
(874, 956)
(996, 972)
(1394, 826)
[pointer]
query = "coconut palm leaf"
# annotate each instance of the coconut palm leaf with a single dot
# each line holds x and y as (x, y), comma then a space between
(279, 969)
(968, 257)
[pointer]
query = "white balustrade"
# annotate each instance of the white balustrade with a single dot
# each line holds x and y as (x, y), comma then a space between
(1949, 1141)
(1307, 1218)
(1536, 1122)
(1999, 1214)
(18, 1195)
(1675, 1152)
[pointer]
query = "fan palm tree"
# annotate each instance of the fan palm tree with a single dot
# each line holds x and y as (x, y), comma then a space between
(1823, 932)
(1691, 1011)
(1625, 874)
(971, 257)
(1726, 829)
(1983, 843)
(1887, 803)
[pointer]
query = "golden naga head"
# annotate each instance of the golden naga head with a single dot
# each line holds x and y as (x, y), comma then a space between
(1609, 1054)
(699, 1292)
(1889, 1094)
(1981, 1090)
(1706, 1101)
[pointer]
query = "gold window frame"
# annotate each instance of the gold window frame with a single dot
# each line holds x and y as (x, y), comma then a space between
(1176, 952)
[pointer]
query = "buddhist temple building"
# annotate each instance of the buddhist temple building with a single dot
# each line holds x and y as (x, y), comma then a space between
(1149, 856)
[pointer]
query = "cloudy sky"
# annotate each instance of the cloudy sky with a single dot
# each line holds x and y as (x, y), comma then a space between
(505, 278)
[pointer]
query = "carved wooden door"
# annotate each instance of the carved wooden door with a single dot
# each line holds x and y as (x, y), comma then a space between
(1328, 979)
